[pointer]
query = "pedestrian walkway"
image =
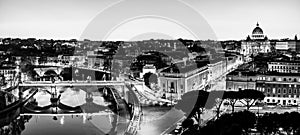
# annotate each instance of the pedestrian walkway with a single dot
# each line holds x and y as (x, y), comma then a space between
(147, 96)
(159, 126)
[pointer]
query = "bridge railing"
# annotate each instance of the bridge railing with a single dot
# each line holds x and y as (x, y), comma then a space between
(136, 116)
(92, 82)
(89, 68)
(115, 98)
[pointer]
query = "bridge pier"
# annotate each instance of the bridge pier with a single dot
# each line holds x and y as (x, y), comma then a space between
(20, 94)
(89, 97)
(124, 93)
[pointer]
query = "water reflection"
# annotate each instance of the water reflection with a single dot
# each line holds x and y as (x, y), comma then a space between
(65, 110)
(10, 125)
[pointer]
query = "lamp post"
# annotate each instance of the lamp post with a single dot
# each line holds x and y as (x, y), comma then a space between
(297, 106)
(172, 90)
(258, 104)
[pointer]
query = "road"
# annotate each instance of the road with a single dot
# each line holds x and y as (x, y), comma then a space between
(161, 125)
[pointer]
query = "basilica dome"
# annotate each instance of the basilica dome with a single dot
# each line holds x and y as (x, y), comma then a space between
(257, 32)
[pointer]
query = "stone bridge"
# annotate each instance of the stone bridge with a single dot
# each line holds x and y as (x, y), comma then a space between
(42, 71)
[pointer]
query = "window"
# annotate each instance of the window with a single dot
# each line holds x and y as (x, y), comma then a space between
(284, 79)
(295, 101)
(268, 90)
(284, 90)
(295, 91)
(278, 95)
(295, 80)
(290, 90)
(273, 100)
(274, 79)
(278, 91)
(268, 100)
(172, 87)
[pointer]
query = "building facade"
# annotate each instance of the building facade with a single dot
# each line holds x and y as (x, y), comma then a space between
(279, 88)
(216, 69)
(284, 66)
(178, 83)
(257, 43)
(240, 80)
(282, 45)
(7, 75)
(291, 45)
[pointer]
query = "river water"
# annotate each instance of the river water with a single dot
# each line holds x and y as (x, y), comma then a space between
(41, 116)
(88, 113)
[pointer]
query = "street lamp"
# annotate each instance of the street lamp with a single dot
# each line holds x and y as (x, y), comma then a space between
(171, 92)
(258, 104)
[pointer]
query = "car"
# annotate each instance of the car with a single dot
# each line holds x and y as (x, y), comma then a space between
(178, 128)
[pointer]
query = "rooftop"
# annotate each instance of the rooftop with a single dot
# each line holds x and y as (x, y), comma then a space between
(274, 73)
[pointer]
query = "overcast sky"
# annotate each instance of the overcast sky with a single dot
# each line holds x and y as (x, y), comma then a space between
(133, 19)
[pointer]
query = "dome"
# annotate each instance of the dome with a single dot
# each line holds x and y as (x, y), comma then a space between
(257, 30)
(257, 33)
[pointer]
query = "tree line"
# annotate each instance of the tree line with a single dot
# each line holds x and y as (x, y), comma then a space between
(246, 122)
(194, 103)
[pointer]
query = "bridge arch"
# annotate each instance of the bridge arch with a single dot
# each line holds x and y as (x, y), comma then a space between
(50, 72)
(42, 72)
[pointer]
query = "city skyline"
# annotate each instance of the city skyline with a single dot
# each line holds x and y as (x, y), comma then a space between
(149, 67)
(226, 20)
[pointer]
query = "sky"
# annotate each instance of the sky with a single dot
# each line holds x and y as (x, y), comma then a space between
(142, 19)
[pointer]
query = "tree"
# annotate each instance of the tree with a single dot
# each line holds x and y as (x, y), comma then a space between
(26, 66)
(116, 68)
(76, 61)
(245, 119)
(236, 123)
(293, 120)
(269, 123)
(290, 122)
(150, 78)
(232, 97)
(218, 97)
(187, 123)
(193, 104)
(249, 96)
